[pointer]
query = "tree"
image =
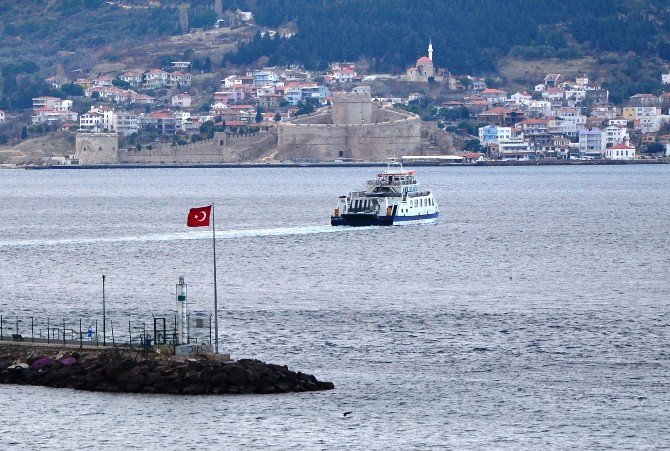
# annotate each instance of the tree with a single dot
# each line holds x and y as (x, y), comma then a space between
(655, 147)
(259, 115)
(277, 117)
(207, 129)
(121, 83)
(474, 146)
(24, 133)
(72, 89)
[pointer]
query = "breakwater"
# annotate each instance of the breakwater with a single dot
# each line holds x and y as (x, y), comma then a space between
(124, 370)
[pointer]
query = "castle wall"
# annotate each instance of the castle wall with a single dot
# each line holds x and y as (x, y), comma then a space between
(97, 148)
(221, 149)
(320, 117)
(102, 148)
(374, 141)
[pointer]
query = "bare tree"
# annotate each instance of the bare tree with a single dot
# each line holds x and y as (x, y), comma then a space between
(218, 8)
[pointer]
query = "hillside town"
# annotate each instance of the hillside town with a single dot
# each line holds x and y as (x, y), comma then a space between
(559, 118)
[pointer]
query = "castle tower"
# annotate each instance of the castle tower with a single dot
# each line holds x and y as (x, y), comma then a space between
(430, 49)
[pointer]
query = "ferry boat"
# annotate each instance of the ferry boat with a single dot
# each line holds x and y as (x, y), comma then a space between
(393, 198)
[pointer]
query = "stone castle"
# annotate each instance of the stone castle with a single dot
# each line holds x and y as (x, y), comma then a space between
(353, 128)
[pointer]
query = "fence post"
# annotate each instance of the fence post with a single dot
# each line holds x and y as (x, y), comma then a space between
(17, 325)
(64, 343)
(130, 335)
(96, 333)
(2, 338)
(48, 336)
(81, 341)
(32, 329)
(210, 329)
(111, 324)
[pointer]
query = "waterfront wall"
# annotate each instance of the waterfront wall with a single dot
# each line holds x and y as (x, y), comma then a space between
(102, 148)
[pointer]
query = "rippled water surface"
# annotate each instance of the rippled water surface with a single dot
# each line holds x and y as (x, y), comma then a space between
(535, 314)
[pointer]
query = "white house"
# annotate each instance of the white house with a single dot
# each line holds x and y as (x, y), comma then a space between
(45, 102)
(344, 74)
(2, 116)
(179, 79)
(182, 100)
(231, 80)
(99, 118)
(521, 98)
(591, 142)
(264, 78)
(615, 134)
(553, 94)
(572, 121)
(665, 79)
(514, 148)
(651, 124)
(493, 134)
(125, 123)
(156, 78)
(620, 121)
(90, 121)
(539, 108)
(493, 96)
(53, 116)
(621, 151)
(131, 77)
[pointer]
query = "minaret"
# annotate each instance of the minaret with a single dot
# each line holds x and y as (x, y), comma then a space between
(430, 49)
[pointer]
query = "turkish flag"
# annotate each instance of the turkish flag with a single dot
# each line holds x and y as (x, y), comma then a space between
(199, 217)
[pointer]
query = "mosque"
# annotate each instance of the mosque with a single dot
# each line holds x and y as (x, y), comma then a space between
(425, 69)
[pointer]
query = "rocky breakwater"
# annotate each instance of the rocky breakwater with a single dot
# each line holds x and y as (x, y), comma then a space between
(120, 371)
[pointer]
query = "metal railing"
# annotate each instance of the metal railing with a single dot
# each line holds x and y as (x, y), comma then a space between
(81, 331)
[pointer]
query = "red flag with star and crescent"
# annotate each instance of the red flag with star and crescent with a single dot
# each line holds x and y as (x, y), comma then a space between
(199, 217)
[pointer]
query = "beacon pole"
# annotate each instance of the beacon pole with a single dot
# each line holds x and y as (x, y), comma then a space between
(216, 304)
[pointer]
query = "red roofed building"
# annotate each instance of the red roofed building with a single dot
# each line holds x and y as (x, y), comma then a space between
(623, 151)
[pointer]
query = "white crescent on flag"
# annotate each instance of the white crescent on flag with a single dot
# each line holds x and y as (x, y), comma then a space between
(199, 217)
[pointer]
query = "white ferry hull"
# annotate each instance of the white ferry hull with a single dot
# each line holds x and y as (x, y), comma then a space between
(374, 220)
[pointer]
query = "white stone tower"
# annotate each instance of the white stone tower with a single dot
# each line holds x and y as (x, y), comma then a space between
(430, 49)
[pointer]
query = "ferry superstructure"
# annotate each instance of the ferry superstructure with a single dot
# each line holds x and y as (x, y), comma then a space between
(393, 198)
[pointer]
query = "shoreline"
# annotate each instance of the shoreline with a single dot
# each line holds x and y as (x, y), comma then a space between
(492, 163)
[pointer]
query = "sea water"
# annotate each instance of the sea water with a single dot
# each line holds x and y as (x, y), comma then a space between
(534, 314)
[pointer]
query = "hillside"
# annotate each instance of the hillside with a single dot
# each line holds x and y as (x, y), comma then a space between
(630, 40)
(625, 43)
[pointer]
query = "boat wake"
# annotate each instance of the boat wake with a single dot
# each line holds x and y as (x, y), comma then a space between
(179, 236)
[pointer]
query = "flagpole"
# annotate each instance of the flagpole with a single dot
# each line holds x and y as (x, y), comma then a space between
(216, 305)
